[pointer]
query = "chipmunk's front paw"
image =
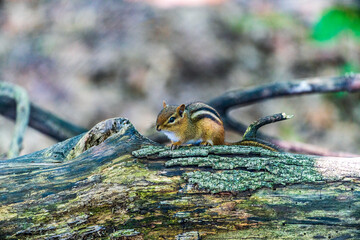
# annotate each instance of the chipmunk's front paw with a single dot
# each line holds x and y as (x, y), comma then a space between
(175, 145)
(206, 144)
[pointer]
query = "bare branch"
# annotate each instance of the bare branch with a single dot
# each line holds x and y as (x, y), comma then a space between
(41, 120)
(239, 98)
(22, 115)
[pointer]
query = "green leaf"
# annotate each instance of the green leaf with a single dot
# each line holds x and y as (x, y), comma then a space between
(349, 67)
(335, 21)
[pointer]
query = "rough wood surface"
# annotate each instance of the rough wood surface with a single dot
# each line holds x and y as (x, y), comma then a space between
(103, 191)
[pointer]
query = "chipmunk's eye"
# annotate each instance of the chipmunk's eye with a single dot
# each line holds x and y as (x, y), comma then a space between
(172, 119)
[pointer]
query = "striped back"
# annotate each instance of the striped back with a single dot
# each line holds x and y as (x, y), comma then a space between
(199, 110)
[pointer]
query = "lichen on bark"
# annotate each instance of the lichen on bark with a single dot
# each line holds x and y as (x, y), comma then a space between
(236, 168)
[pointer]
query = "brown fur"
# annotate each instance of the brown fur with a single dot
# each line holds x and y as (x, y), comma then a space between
(210, 131)
(165, 114)
(204, 123)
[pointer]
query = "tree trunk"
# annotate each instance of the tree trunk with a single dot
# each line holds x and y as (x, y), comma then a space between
(113, 183)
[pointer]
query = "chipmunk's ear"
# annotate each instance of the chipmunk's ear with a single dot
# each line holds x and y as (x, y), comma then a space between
(180, 110)
(164, 104)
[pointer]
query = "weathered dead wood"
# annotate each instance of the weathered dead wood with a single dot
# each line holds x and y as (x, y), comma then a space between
(103, 191)
(55, 169)
(92, 186)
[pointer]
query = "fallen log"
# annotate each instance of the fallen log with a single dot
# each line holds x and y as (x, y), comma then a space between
(112, 182)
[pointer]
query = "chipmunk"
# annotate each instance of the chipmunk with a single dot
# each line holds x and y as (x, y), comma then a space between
(195, 123)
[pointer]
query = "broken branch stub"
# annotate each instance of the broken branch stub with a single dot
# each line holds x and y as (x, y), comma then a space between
(251, 131)
(98, 134)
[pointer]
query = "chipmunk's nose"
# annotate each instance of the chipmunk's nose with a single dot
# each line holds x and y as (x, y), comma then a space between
(158, 128)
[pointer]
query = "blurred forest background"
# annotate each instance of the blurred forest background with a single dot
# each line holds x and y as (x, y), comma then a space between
(86, 61)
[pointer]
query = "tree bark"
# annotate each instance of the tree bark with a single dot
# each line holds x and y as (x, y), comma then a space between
(112, 182)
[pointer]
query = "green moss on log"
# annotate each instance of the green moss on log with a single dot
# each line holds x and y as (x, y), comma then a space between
(237, 168)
